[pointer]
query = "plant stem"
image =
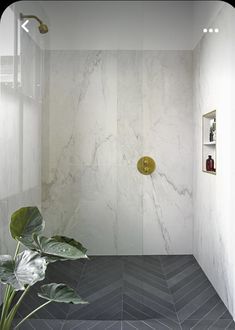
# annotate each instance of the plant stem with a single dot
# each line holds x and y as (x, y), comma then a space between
(22, 296)
(17, 249)
(30, 314)
(8, 295)
(5, 306)
(14, 309)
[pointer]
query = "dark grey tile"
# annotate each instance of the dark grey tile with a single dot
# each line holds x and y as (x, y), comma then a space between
(181, 276)
(158, 309)
(147, 292)
(195, 303)
(137, 325)
(188, 324)
(226, 315)
(180, 268)
(163, 324)
(126, 325)
(220, 324)
(185, 289)
(203, 324)
(204, 309)
(33, 324)
(231, 325)
(103, 325)
(187, 280)
(131, 292)
(71, 324)
(192, 293)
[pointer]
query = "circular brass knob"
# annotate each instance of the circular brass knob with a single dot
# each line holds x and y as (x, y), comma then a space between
(146, 165)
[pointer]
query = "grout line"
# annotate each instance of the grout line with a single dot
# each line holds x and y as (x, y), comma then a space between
(190, 282)
(229, 324)
(206, 315)
(174, 266)
(96, 322)
(192, 266)
(178, 300)
(218, 317)
(149, 325)
(198, 306)
(152, 301)
(66, 318)
(171, 295)
(131, 324)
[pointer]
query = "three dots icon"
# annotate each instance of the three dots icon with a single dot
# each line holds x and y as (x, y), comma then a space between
(210, 30)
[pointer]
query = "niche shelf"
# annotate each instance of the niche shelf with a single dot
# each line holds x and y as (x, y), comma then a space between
(209, 140)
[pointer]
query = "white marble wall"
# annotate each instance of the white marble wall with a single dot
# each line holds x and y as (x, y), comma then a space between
(213, 216)
(20, 127)
(103, 110)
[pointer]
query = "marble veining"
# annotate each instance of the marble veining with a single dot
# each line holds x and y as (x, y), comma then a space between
(104, 110)
(213, 216)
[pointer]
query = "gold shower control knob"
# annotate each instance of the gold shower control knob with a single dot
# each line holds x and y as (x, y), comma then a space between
(146, 165)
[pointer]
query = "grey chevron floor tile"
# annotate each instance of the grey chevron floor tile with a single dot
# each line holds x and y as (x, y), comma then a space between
(192, 293)
(187, 280)
(41, 324)
(185, 289)
(151, 295)
(142, 325)
(162, 324)
(231, 325)
(131, 292)
(226, 315)
(180, 268)
(158, 309)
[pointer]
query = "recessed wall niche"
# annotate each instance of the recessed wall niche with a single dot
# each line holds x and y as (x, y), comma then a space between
(209, 142)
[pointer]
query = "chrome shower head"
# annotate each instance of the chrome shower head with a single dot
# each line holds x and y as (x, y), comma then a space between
(43, 28)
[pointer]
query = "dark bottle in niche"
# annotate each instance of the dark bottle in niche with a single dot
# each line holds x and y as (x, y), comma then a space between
(210, 164)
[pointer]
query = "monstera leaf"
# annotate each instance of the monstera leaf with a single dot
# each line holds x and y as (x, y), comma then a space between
(56, 248)
(27, 269)
(60, 293)
(70, 241)
(25, 222)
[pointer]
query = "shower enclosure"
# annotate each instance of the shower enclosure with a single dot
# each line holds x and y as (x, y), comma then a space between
(109, 83)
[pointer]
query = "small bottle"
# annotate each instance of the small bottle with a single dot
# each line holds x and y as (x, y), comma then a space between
(210, 163)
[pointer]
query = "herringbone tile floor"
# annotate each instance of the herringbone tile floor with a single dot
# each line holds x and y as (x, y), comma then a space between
(132, 292)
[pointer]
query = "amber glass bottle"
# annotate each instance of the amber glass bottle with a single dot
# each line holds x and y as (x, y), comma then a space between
(210, 163)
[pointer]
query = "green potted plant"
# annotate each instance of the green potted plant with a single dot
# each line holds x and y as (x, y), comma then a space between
(21, 272)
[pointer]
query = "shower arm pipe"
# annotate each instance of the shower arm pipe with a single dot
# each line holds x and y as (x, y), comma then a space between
(30, 16)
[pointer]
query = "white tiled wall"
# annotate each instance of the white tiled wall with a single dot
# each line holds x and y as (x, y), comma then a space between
(104, 110)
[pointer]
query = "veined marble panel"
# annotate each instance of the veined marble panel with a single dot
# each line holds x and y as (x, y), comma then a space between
(104, 110)
(79, 197)
(167, 132)
(213, 216)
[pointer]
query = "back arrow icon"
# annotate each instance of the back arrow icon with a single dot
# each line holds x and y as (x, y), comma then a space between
(24, 25)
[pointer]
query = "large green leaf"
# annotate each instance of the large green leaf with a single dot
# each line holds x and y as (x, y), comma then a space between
(55, 250)
(25, 222)
(27, 269)
(70, 241)
(60, 293)
(7, 266)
